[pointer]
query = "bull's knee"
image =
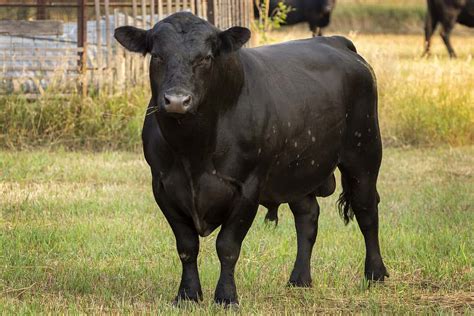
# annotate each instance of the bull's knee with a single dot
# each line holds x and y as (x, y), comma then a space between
(227, 250)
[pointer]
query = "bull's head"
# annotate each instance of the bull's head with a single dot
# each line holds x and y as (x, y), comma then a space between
(185, 55)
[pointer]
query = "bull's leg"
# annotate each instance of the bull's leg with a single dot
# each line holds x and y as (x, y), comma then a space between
(306, 213)
(187, 243)
(445, 35)
(360, 162)
(430, 26)
(316, 31)
(272, 214)
(364, 202)
(359, 178)
(228, 244)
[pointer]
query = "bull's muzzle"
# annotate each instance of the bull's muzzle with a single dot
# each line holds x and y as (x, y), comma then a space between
(177, 103)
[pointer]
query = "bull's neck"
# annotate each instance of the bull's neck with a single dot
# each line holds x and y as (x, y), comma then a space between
(194, 136)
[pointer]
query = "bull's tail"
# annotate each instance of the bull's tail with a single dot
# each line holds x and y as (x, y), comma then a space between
(344, 202)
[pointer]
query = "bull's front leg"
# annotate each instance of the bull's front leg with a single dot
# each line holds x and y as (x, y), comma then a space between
(187, 244)
(228, 244)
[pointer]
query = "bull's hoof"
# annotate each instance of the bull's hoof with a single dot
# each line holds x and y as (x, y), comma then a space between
(299, 282)
(376, 273)
(271, 220)
(227, 303)
(300, 278)
(184, 297)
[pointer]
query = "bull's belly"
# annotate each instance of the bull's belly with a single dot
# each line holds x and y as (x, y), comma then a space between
(466, 19)
(295, 182)
(305, 162)
(290, 177)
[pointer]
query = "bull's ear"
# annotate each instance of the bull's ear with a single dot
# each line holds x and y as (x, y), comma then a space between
(234, 38)
(132, 38)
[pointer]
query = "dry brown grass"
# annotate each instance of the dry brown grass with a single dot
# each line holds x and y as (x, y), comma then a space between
(423, 101)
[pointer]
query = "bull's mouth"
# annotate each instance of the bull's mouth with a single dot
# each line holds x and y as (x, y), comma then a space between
(178, 116)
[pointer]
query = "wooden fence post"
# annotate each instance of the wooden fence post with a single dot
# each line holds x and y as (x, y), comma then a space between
(82, 44)
(152, 13)
(134, 58)
(108, 44)
(169, 7)
(119, 60)
(210, 11)
(160, 10)
(98, 57)
(144, 61)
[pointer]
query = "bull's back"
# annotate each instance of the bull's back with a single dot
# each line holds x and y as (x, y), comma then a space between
(307, 78)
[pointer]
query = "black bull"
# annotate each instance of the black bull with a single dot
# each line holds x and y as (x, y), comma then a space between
(234, 128)
(447, 13)
(316, 12)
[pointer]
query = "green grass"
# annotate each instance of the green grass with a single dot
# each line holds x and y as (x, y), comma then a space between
(80, 232)
(99, 123)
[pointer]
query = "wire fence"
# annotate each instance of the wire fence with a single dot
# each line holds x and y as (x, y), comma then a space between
(68, 45)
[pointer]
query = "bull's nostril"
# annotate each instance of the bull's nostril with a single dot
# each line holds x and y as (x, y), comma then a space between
(167, 100)
(187, 101)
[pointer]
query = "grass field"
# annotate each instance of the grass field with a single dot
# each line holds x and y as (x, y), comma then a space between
(80, 232)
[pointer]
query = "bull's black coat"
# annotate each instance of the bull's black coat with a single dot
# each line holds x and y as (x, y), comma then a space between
(316, 12)
(447, 13)
(235, 128)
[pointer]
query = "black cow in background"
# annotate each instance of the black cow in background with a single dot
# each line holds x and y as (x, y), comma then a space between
(447, 13)
(316, 12)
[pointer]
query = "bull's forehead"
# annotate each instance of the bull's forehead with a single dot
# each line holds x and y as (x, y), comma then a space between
(183, 36)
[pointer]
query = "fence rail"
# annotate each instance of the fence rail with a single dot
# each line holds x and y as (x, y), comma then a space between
(83, 51)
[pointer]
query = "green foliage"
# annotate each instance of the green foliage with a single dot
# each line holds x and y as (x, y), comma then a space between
(268, 21)
(81, 233)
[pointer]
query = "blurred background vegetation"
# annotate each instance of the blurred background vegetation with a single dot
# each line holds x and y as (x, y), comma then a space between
(423, 102)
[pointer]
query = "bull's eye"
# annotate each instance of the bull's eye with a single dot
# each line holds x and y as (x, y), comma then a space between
(157, 58)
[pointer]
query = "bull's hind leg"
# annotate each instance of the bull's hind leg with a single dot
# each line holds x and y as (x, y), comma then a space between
(359, 171)
(445, 35)
(430, 25)
(306, 213)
